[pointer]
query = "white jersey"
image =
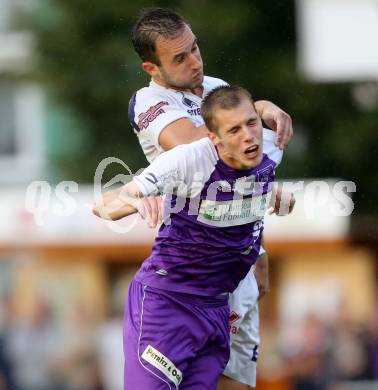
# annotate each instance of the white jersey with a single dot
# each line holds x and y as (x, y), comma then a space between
(153, 108)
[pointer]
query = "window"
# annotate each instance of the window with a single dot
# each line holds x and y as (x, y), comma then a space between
(7, 125)
(21, 132)
(21, 104)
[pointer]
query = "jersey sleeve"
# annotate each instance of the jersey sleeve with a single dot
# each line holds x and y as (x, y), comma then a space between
(269, 148)
(210, 83)
(182, 170)
(167, 171)
(151, 113)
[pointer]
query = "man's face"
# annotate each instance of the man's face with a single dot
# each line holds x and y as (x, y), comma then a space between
(239, 137)
(180, 62)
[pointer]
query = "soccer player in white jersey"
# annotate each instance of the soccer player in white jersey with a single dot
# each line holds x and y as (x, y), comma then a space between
(176, 332)
(166, 114)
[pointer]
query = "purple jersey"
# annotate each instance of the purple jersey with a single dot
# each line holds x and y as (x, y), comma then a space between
(213, 234)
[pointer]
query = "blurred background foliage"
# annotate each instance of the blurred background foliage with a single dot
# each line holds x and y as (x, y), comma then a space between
(85, 59)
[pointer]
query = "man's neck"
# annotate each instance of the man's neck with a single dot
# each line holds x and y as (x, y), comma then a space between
(228, 160)
(195, 91)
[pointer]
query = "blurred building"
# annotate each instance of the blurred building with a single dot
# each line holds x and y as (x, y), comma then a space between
(336, 40)
(22, 137)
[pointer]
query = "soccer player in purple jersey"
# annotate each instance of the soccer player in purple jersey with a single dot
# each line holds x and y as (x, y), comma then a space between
(176, 325)
(166, 113)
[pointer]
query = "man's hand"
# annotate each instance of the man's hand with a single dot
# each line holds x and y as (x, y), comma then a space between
(277, 120)
(282, 202)
(127, 200)
(152, 210)
(119, 203)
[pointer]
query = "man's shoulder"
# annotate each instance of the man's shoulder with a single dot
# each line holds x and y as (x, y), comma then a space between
(201, 147)
(197, 155)
(151, 93)
(148, 103)
(210, 83)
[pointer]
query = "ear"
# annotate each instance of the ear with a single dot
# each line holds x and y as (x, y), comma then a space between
(151, 68)
(213, 138)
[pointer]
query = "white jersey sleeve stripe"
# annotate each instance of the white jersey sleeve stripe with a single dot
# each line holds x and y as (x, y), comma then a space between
(131, 113)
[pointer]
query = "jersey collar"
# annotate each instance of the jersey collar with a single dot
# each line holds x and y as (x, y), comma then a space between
(154, 84)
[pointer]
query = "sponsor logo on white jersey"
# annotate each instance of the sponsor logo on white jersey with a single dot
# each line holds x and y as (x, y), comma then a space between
(145, 118)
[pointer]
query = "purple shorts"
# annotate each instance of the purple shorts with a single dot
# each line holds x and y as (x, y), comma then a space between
(174, 340)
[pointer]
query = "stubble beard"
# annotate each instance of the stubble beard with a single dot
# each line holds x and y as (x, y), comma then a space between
(180, 86)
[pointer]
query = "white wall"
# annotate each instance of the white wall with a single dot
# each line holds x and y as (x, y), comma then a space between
(338, 39)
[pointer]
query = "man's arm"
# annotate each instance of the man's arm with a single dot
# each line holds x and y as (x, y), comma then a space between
(120, 203)
(165, 174)
(262, 274)
(183, 131)
(283, 203)
(180, 132)
(127, 200)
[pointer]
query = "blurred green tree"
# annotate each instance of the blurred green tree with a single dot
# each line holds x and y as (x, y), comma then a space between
(85, 58)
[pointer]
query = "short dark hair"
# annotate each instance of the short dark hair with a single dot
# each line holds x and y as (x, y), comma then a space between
(152, 23)
(225, 97)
